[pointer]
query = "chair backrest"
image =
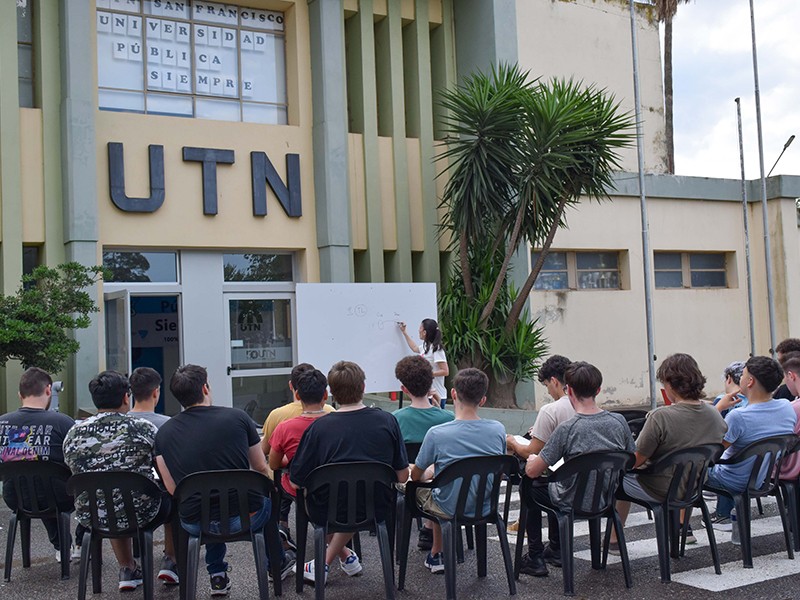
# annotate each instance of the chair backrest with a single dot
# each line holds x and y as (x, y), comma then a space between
(220, 494)
(128, 491)
(636, 426)
(593, 478)
(33, 483)
(412, 449)
(689, 468)
(349, 495)
(476, 477)
(766, 456)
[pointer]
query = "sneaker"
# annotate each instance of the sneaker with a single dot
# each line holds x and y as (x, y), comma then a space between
(130, 579)
(513, 526)
(533, 565)
(220, 584)
(169, 571)
(709, 496)
(289, 560)
(721, 523)
(309, 574)
(286, 538)
(690, 539)
(425, 540)
(613, 548)
(552, 556)
(435, 563)
(351, 566)
(74, 552)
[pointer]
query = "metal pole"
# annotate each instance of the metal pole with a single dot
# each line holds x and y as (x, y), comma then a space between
(746, 235)
(764, 214)
(785, 146)
(646, 255)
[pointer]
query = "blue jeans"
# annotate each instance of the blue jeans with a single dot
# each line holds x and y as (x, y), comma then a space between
(215, 553)
(724, 503)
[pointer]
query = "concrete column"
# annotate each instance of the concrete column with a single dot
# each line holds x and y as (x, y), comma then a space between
(329, 103)
(79, 174)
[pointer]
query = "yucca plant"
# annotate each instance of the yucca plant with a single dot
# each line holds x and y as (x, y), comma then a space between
(518, 153)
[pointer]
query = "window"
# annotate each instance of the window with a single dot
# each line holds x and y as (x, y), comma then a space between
(564, 270)
(30, 259)
(690, 270)
(142, 267)
(25, 52)
(194, 59)
(257, 267)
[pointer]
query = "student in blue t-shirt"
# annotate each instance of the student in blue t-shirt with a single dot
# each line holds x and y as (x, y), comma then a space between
(468, 435)
(763, 417)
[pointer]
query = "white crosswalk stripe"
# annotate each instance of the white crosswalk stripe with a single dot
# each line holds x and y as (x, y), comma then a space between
(733, 576)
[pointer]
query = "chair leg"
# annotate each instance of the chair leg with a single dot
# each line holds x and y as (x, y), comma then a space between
(274, 547)
(623, 549)
(594, 543)
(301, 533)
(83, 571)
(319, 562)
(63, 519)
(97, 564)
(146, 554)
(502, 534)
(12, 534)
(480, 547)
(565, 530)
(663, 542)
(260, 555)
(743, 520)
(673, 523)
(387, 562)
(507, 503)
(404, 539)
(687, 515)
(787, 536)
(459, 545)
(760, 508)
(181, 541)
(790, 489)
(355, 544)
(450, 534)
(192, 562)
(25, 540)
(470, 539)
(518, 549)
(712, 540)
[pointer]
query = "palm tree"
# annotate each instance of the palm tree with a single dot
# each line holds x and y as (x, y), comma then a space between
(519, 152)
(665, 11)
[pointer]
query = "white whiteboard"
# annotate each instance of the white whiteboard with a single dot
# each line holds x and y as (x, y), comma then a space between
(358, 322)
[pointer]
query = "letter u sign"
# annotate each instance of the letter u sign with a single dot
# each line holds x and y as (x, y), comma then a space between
(116, 177)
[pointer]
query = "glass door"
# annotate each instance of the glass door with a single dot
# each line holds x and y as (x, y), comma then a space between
(261, 350)
(118, 331)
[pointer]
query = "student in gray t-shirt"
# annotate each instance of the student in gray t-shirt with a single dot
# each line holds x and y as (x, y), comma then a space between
(146, 389)
(590, 430)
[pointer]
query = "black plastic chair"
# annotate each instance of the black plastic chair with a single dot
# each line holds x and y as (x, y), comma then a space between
(412, 449)
(767, 455)
(597, 475)
(791, 493)
(222, 493)
(346, 498)
(123, 486)
(689, 470)
(33, 482)
(489, 472)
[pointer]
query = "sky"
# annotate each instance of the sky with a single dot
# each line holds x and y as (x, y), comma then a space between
(713, 64)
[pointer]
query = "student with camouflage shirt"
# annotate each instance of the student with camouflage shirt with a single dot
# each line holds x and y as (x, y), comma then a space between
(112, 440)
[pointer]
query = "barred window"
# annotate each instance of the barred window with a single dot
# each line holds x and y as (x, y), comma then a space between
(690, 270)
(575, 270)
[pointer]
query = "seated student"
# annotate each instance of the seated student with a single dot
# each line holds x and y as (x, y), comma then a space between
(146, 390)
(352, 433)
(687, 422)
(731, 375)
(763, 417)
(35, 433)
(311, 389)
(590, 430)
(790, 468)
(785, 347)
(467, 436)
(416, 378)
(205, 437)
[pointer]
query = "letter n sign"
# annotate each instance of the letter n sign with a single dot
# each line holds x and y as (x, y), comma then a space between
(288, 194)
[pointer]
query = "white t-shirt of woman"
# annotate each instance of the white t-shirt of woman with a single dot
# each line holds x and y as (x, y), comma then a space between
(434, 357)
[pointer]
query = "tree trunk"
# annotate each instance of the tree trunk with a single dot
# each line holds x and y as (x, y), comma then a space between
(466, 274)
(668, 133)
(502, 393)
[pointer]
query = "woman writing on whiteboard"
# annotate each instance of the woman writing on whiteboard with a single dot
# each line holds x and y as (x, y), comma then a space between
(432, 350)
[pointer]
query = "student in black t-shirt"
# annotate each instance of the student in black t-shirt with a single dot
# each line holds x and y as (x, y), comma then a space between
(352, 433)
(210, 438)
(35, 433)
(785, 347)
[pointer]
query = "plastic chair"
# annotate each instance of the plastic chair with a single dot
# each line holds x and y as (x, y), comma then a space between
(33, 482)
(587, 470)
(412, 449)
(122, 486)
(689, 470)
(790, 488)
(489, 472)
(344, 498)
(227, 493)
(767, 455)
